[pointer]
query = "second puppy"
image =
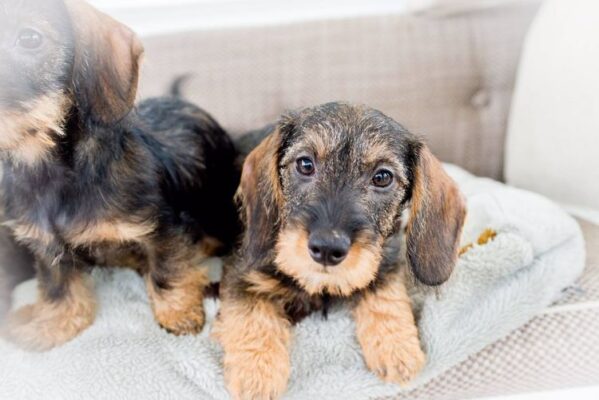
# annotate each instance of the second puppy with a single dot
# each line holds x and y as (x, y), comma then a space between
(322, 200)
(83, 170)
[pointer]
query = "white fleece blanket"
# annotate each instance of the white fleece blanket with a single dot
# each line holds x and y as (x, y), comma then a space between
(496, 288)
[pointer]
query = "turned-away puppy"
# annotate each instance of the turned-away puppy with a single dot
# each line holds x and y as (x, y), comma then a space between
(322, 198)
(83, 170)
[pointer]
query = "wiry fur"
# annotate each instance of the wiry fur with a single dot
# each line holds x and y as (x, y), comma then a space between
(84, 171)
(256, 335)
(281, 208)
(49, 323)
(387, 332)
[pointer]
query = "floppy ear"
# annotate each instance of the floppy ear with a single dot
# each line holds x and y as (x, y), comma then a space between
(261, 198)
(436, 220)
(106, 64)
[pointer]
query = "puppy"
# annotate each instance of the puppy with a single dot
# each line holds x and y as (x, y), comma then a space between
(322, 200)
(83, 171)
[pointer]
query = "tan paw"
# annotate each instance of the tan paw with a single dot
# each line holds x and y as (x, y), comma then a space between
(43, 326)
(394, 362)
(256, 374)
(255, 337)
(180, 309)
(189, 321)
(388, 334)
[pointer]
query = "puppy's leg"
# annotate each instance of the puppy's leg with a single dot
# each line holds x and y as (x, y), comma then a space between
(16, 265)
(255, 336)
(65, 307)
(388, 334)
(176, 286)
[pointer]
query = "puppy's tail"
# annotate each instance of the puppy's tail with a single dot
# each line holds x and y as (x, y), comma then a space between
(176, 88)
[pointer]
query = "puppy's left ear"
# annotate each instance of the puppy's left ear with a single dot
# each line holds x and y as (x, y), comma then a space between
(436, 220)
(106, 64)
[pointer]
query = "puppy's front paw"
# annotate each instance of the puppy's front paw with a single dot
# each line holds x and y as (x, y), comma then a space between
(394, 361)
(43, 326)
(255, 337)
(180, 308)
(256, 374)
(186, 321)
(388, 334)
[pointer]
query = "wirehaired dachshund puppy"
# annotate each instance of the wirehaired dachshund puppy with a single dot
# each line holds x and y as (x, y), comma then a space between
(322, 200)
(84, 171)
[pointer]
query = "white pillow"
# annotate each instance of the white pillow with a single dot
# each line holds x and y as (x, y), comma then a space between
(553, 135)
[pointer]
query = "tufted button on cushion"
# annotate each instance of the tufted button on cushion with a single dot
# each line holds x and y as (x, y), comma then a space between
(481, 98)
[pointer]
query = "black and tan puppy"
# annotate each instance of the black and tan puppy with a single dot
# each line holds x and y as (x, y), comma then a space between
(84, 171)
(322, 199)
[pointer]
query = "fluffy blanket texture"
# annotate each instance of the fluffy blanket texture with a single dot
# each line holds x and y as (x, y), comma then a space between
(497, 286)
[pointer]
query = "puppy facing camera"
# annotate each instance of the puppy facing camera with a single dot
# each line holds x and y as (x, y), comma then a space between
(322, 199)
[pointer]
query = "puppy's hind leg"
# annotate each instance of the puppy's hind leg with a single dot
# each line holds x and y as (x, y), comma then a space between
(65, 307)
(176, 288)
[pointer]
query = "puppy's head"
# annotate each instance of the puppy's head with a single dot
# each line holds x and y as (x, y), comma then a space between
(58, 54)
(326, 190)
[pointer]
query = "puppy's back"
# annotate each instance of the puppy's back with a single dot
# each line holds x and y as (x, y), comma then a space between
(198, 160)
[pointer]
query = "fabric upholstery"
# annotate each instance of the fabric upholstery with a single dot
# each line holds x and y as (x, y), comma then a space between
(447, 79)
(452, 7)
(554, 124)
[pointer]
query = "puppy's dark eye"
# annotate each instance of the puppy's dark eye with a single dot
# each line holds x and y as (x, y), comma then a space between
(305, 166)
(30, 39)
(382, 178)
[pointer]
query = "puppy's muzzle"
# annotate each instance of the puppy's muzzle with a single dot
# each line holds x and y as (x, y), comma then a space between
(328, 247)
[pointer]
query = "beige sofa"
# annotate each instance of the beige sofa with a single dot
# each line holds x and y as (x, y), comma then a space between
(446, 75)
(449, 78)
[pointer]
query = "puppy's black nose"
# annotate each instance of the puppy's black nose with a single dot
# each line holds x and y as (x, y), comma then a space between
(328, 247)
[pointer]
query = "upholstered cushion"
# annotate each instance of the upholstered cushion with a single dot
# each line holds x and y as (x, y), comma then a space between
(554, 123)
(447, 79)
(452, 7)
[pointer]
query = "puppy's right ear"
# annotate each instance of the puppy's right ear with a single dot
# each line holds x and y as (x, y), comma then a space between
(261, 198)
(106, 63)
